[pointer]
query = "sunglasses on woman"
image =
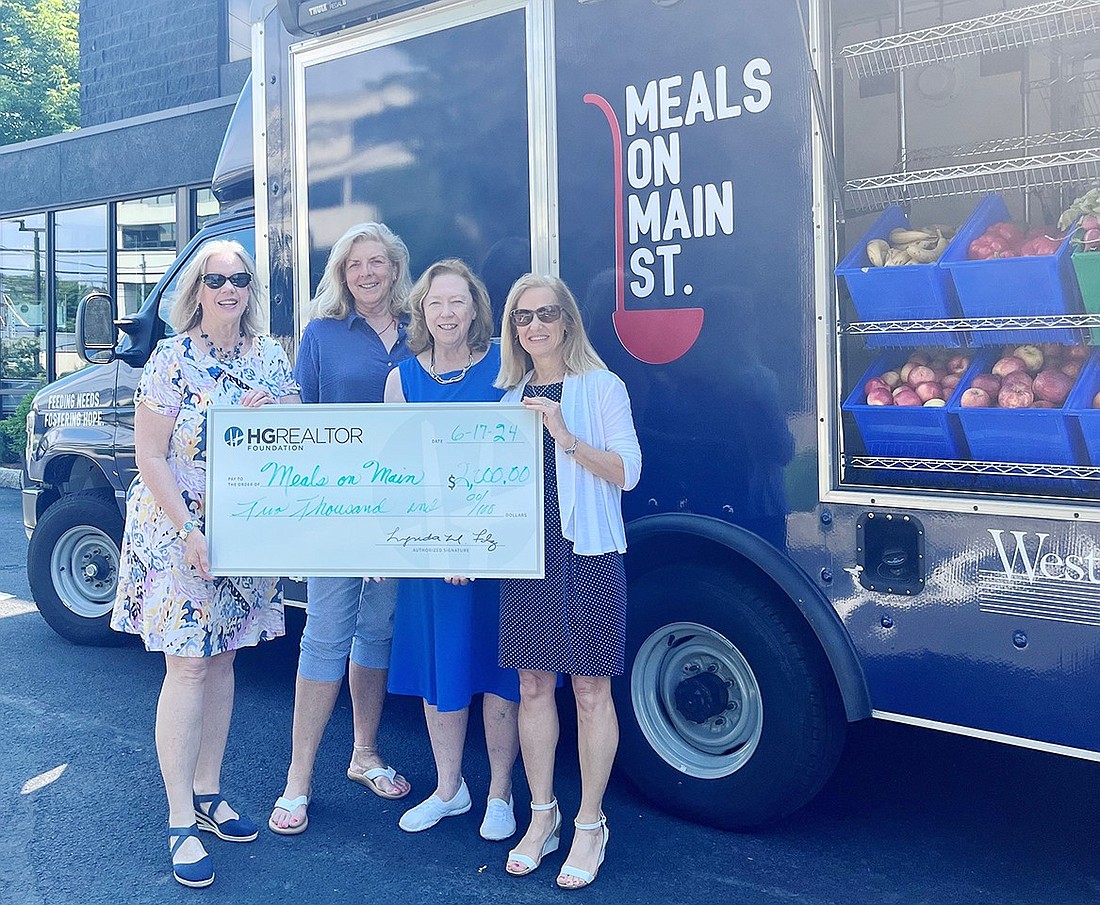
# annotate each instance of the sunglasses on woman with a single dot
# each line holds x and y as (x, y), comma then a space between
(217, 280)
(521, 317)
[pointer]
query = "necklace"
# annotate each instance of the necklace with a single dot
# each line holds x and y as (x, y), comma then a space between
(391, 326)
(223, 355)
(438, 379)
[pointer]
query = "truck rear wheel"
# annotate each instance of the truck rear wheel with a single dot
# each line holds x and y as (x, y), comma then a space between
(72, 565)
(729, 712)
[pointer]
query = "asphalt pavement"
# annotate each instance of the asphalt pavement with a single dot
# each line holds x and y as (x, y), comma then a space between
(909, 817)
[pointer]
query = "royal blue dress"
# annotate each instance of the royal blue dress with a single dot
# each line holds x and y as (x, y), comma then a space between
(446, 638)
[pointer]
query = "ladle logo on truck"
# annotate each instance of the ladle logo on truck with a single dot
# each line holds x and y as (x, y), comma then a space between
(660, 222)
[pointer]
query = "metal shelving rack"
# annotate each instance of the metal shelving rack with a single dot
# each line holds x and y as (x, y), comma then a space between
(1019, 322)
(1024, 27)
(1061, 159)
(1063, 168)
(959, 466)
(1066, 140)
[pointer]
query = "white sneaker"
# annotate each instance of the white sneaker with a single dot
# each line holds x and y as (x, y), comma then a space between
(500, 821)
(433, 809)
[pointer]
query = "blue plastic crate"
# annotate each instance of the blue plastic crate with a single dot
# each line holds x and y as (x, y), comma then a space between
(910, 292)
(1032, 436)
(918, 432)
(1032, 285)
(1079, 408)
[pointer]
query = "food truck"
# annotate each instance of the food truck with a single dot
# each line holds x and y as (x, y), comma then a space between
(841, 253)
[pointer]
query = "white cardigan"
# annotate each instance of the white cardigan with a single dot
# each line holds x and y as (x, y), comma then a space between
(596, 408)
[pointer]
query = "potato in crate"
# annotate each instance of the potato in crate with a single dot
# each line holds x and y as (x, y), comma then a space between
(898, 284)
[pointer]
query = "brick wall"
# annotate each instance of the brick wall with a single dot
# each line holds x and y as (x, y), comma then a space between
(142, 56)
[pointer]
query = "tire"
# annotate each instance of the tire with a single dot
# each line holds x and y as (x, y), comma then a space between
(729, 712)
(72, 565)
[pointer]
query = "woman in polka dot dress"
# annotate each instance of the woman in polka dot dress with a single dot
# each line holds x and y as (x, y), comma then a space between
(574, 620)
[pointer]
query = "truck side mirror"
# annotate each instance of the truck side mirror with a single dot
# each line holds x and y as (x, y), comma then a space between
(96, 331)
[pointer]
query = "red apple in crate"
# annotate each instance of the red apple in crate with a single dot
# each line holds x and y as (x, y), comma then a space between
(873, 383)
(1017, 379)
(919, 358)
(1043, 404)
(880, 396)
(1007, 365)
(987, 382)
(920, 374)
(1031, 356)
(907, 397)
(958, 364)
(1052, 386)
(929, 390)
(1071, 368)
(975, 398)
(1077, 353)
(1015, 397)
(949, 382)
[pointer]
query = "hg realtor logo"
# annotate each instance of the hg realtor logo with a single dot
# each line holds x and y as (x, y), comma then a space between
(291, 439)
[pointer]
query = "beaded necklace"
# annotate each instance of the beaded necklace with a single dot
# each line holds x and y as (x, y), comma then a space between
(222, 355)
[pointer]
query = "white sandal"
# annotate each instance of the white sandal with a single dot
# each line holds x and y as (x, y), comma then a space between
(577, 873)
(550, 845)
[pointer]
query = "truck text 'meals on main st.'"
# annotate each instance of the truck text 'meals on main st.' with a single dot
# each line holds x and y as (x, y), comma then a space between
(845, 256)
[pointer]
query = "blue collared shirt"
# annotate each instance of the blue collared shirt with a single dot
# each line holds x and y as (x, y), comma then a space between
(345, 361)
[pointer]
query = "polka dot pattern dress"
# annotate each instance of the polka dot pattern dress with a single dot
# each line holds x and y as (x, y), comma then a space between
(573, 621)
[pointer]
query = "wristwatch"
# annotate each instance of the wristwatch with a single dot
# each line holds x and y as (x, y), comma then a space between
(188, 526)
(572, 449)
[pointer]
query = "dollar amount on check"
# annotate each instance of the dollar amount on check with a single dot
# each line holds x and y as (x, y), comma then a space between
(415, 490)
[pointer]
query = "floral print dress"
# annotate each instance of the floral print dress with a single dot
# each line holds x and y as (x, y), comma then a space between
(159, 596)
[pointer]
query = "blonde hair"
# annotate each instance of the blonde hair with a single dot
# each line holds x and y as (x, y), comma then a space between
(577, 351)
(333, 299)
(419, 337)
(186, 312)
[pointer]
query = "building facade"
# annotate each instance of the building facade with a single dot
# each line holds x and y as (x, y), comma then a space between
(107, 206)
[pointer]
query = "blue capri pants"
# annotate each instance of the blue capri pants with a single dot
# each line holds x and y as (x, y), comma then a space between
(346, 616)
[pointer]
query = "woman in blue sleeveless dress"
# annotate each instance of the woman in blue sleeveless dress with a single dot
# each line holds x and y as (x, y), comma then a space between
(446, 632)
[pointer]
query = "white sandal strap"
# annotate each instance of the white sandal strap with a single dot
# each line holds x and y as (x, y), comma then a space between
(525, 860)
(591, 826)
(375, 772)
(289, 804)
(570, 871)
(549, 806)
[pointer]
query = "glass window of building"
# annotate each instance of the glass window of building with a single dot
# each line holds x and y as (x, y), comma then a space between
(146, 236)
(206, 208)
(80, 267)
(22, 308)
(239, 31)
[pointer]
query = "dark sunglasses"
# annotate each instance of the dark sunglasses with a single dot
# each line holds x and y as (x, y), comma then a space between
(521, 317)
(217, 280)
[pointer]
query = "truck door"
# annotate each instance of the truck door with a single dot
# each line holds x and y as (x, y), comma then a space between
(424, 123)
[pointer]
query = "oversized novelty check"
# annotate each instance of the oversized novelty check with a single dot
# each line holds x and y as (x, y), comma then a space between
(414, 490)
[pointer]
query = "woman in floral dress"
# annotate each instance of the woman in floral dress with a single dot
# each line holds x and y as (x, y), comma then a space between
(166, 593)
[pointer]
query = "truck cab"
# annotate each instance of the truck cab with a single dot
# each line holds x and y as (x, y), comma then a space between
(80, 461)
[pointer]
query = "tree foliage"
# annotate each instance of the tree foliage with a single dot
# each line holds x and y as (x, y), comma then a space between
(39, 68)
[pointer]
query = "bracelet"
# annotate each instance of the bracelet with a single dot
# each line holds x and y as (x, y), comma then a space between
(572, 449)
(188, 526)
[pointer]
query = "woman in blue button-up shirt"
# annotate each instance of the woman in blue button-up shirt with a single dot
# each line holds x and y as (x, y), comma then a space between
(356, 336)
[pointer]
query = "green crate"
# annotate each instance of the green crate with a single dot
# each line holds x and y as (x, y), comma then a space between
(1087, 265)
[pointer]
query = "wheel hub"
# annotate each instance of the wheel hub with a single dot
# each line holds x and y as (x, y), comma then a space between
(697, 700)
(97, 567)
(702, 697)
